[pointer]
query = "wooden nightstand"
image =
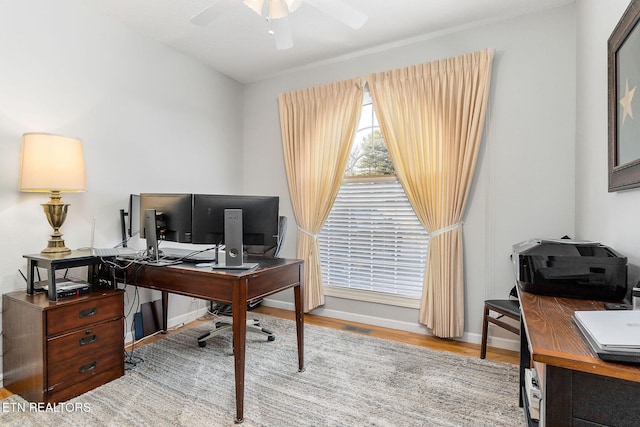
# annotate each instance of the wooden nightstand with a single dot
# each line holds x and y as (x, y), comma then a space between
(54, 351)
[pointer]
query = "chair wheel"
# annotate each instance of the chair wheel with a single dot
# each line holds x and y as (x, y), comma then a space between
(271, 338)
(202, 343)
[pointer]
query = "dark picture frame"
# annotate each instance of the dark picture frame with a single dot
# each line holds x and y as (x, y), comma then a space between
(623, 50)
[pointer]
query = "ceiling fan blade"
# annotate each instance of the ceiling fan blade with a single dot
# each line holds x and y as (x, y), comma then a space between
(208, 14)
(341, 11)
(282, 33)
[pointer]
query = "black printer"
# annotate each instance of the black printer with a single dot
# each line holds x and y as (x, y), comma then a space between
(569, 268)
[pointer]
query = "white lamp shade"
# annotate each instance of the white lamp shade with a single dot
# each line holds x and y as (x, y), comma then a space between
(51, 162)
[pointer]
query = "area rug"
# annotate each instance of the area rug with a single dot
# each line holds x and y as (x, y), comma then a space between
(350, 380)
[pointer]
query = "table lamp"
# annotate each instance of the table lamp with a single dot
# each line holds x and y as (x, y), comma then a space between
(55, 164)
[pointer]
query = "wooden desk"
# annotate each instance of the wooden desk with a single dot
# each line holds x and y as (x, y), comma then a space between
(577, 387)
(231, 287)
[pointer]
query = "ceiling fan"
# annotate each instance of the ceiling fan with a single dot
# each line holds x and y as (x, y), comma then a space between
(276, 12)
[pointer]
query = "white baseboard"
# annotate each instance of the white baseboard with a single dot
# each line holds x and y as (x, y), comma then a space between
(474, 338)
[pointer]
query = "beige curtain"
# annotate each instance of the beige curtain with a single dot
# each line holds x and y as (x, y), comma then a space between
(432, 118)
(317, 125)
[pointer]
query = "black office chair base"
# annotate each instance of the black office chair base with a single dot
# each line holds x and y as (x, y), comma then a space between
(225, 324)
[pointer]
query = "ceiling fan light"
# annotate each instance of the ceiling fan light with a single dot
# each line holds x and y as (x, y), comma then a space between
(277, 9)
(282, 34)
(255, 5)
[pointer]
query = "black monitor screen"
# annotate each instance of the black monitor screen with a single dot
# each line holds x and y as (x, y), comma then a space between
(259, 220)
(173, 215)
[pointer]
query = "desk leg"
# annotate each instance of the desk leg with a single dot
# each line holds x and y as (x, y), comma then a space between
(239, 312)
(298, 294)
(525, 360)
(165, 311)
(51, 272)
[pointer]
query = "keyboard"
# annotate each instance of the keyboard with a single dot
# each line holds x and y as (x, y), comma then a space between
(105, 252)
(193, 255)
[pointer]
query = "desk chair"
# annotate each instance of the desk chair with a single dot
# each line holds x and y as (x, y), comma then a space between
(505, 307)
(224, 323)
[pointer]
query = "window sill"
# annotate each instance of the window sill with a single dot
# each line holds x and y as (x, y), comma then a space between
(372, 296)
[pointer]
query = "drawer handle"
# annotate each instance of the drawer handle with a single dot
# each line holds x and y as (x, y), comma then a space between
(88, 367)
(87, 340)
(89, 312)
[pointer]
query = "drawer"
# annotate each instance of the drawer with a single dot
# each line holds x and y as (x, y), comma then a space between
(272, 281)
(78, 315)
(63, 394)
(83, 368)
(107, 335)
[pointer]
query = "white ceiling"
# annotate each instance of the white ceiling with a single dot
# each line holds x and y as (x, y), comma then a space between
(237, 43)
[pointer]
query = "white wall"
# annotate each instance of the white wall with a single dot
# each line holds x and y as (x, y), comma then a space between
(525, 181)
(151, 120)
(608, 217)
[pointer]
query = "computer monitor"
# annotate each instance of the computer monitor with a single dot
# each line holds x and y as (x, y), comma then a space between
(173, 215)
(133, 223)
(259, 220)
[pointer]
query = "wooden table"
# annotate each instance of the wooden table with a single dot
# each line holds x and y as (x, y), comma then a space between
(577, 387)
(234, 287)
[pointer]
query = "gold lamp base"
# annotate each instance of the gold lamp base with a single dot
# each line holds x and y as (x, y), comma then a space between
(56, 212)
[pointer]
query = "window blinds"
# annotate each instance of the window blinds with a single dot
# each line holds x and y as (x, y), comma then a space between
(372, 239)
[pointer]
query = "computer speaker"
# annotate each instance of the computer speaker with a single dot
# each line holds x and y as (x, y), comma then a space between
(151, 233)
(233, 237)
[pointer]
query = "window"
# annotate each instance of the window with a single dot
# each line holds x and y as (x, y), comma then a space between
(372, 247)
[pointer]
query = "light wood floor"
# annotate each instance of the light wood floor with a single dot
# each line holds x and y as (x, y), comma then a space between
(435, 343)
(472, 350)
